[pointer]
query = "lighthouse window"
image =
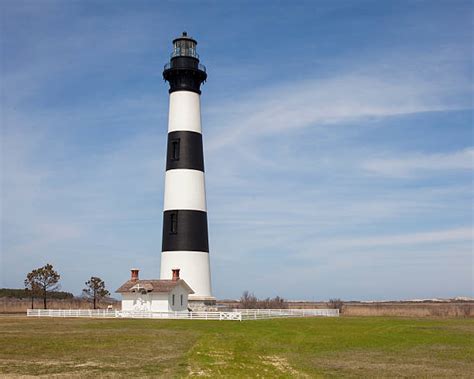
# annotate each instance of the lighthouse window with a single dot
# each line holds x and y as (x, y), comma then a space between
(172, 300)
(181, 298)
(174, 223)
(175, 149)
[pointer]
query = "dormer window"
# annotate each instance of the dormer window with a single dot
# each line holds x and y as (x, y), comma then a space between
(138, 288)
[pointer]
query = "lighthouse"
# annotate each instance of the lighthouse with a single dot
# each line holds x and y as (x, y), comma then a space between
(185, 244)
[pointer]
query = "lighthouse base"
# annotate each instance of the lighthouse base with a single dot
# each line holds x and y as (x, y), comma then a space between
(202, 304)
(194, 269)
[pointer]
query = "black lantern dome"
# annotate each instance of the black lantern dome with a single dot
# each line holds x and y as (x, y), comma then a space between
(184, 72)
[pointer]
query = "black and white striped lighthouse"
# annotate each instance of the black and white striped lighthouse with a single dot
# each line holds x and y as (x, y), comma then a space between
(185, 236)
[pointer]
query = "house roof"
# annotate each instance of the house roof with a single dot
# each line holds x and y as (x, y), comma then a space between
(152, 285)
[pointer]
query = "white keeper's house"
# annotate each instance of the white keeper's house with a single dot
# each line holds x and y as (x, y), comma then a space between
(169, 295)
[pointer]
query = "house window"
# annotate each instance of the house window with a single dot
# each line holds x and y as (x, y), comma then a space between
(174, 223)
(175, 149)
(181, 297)
(172, 300)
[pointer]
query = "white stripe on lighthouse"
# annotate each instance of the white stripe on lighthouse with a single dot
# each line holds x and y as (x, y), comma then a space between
(195, 270)
(184, 111)
(185, 189)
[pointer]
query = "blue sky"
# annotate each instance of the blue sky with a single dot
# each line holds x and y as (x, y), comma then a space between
(338, 143)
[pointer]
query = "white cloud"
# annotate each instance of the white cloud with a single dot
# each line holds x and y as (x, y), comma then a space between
(406, 166)
(318, 102)
(62, 208)
(439, 236)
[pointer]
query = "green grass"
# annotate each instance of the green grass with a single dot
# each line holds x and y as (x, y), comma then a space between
(311, 347)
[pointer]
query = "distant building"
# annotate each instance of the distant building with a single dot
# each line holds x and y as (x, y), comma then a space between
(155, 295)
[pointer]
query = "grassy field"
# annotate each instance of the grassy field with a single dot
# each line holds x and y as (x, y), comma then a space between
(317, 347)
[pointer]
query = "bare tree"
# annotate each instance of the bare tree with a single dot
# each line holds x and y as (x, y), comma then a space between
(95, 290)
(272, 303)
(248, 300)
(278, 303)
(336, 304)
(42, 280)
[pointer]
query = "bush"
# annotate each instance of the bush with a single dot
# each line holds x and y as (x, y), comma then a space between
(336, 304)
(249, 301)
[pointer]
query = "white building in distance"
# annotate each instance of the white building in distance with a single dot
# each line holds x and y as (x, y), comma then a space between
(169, 295)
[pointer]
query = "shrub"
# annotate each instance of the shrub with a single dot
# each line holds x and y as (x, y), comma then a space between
(336, 304)
(249, 301)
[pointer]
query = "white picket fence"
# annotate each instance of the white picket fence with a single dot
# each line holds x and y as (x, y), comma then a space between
(182, 315)
(102, 313)
(234, 315)
(94, 313)
(259, 314)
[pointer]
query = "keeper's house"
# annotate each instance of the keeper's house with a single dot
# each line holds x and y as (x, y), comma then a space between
(155, 295)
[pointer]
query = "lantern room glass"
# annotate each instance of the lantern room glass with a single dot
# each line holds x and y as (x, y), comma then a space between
(184, 48)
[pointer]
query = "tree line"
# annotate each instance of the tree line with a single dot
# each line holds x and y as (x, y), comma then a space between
(249, 301)
(43, 282)
(20, 293)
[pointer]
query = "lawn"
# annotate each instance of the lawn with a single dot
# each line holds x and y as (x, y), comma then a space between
(311, 347)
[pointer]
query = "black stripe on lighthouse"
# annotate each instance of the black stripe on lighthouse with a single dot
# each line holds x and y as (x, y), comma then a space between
(185, 230)
(185, 151)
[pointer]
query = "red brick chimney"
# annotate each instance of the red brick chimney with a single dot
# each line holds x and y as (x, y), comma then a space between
(175, 273)
(134, 276)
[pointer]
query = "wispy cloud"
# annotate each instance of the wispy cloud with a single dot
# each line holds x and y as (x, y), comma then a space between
(343, 98)
(414, 164)
(58, 207)
(431, 237)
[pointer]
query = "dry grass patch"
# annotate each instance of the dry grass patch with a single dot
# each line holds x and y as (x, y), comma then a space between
(282, 348)
(282, 365)
(380, 365)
